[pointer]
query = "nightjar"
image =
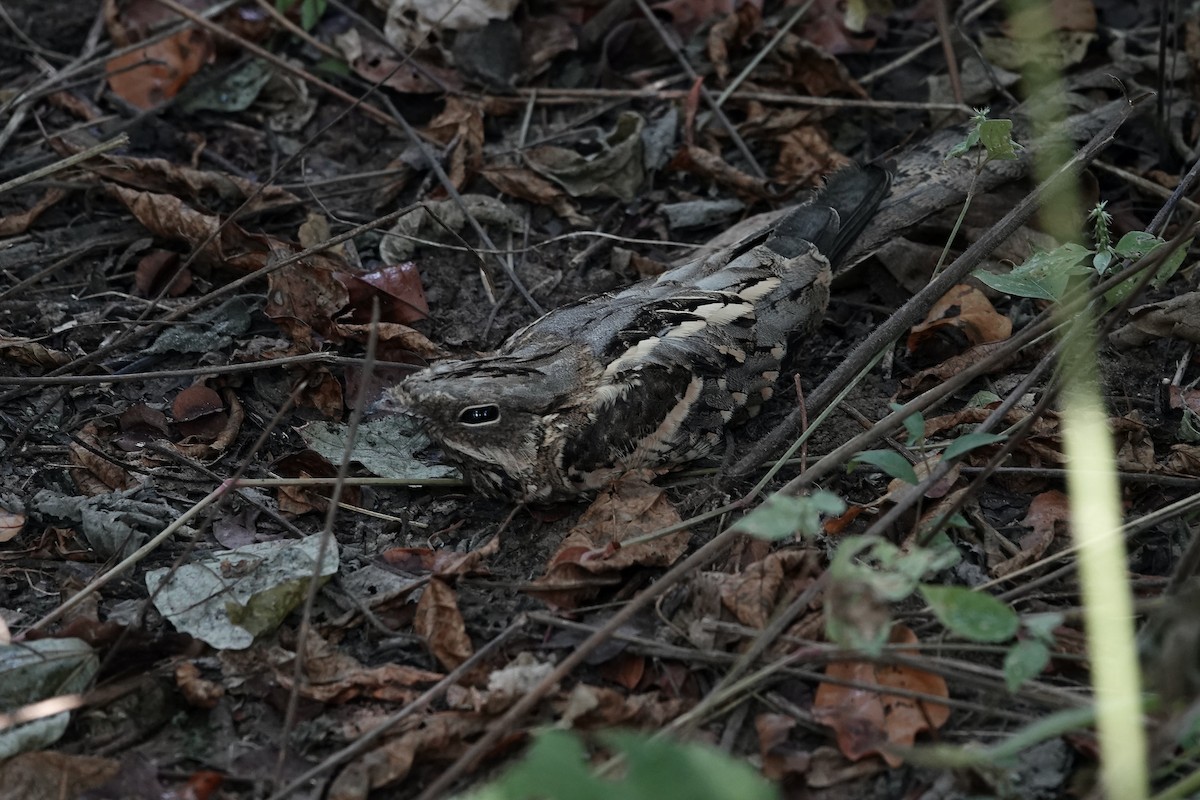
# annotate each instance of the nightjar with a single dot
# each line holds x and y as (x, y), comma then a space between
(646, 377)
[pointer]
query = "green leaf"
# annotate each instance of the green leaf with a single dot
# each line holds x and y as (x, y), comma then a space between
(914, 424)
(962, 148)
(983, 398)
(975, 616)
(1044, 276)
(660, 769)
(1041, 626)
(780, 516)
(556, 768)
(1189, 426)
(996, 136)
(968, 442)
(1102, 261)
(889, 461)
(1024, 660)
(311, 12)
(1136, 244)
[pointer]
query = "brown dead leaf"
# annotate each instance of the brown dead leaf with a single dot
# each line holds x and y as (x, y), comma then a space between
(437, 739)
(800, 64)
(214, 435)
(16, 224)
(1178, 397)
(1048, 515)
(398, 287)
(825, 27)
(302, 499)
(805, 154)
(626, 670)
(629, 508)
(544, 38)
(198, 692)
(332, 676)
(1175, 318)
(395, 341)
(961, 318)
(47, 775)
(781, 758)
(754, 594)
(170, 218)
(926, 378)
(460, 124)
(688, 15)
(27, 351)
(158, 270)
(441, 624)
(868, 721)
(444, 562)
(525, 184)
(93, 473)
(697, 160)
(410, 74)
(625, 261)
(153, 74)
(590, 707)
(1135, 447)
(203, 188)
(732, 33)
(11, 525)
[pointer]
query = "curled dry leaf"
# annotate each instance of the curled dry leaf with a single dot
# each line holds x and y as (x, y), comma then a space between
(710, 166)
(806, 154)
(198, 692)
(169, 217)
(754, 594)
(11, 525)
(441, 624)
(781, 758)
(960, 318)
(301, 499)
(688, 15)
(630, 508)
(526, 185)
(443, 562)
(398, 287)
(460, 124)
(199, 413)
(732, 33)
(27, 351)
(336, 677)
(16, 224)
(202, 187)
(926, 378)
(616, 171)
(868, 721)
(412, 74)
(1048, 515)
(151, 75)
(93, 473)
(435, 740)
(140, 425)
(159, 270)
(590, 707)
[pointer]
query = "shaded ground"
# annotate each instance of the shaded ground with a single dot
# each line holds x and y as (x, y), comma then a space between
(427, 577)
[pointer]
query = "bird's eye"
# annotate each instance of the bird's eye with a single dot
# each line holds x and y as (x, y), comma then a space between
(479, 415)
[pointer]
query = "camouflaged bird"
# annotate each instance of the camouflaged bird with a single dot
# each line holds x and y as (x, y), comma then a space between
(646, 377)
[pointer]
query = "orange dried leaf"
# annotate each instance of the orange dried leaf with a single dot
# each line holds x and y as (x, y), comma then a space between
(441, 624)
(870, 721)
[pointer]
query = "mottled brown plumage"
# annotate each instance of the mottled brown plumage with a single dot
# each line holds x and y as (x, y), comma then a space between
(649, 376)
